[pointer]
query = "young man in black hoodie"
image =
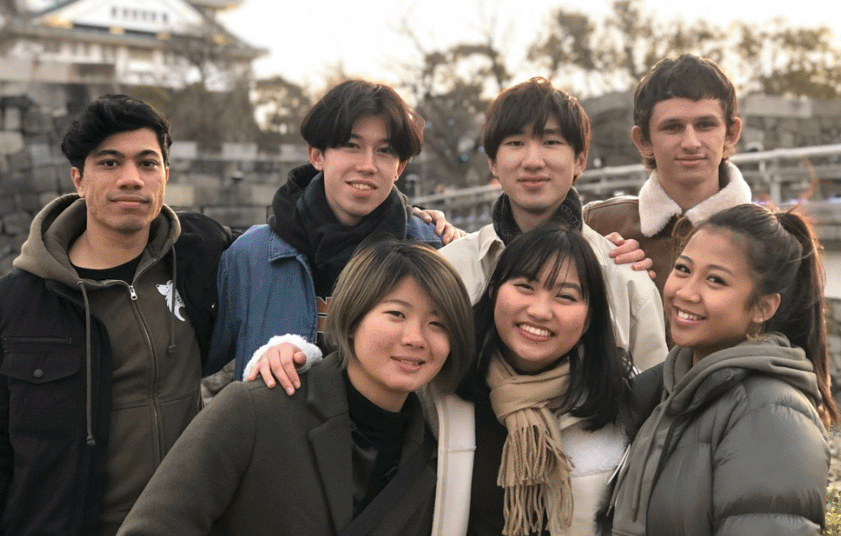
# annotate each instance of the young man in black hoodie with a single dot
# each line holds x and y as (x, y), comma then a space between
(105, 327)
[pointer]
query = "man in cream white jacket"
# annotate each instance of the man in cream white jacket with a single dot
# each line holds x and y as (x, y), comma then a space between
(537, 138)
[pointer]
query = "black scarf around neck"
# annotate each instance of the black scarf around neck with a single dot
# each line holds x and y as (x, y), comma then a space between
(506, 228)
(303, 218)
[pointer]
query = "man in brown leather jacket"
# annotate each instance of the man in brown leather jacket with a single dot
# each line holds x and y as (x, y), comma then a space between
(685, 127)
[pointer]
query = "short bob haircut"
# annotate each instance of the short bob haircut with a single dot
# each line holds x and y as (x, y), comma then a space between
(329, 123)
(378, 265)
(533, 103)
(109, 115)
(599, 370)
(687, 77)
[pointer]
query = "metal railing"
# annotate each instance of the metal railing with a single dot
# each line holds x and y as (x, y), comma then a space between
(781, 176)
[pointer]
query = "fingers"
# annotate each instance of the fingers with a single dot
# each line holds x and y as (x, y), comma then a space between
(285, 370)
(652, 274)
(616, 238)
(422, 214)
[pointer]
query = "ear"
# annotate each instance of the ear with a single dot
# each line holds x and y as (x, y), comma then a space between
(400, 169)
(166, 174)
(76, 177)
(580, 163)
(643, 145)
(765, 308)
(492, 167)
(733, 134)
(316, 157)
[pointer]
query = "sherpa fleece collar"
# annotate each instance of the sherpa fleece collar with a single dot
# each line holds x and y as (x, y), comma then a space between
(657, 208)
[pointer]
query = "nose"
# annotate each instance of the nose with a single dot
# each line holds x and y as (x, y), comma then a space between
(533, 157)
(539, 307)
(688, 291)
(130, 176)
(690, 138)
(365, 161)
(413, 335)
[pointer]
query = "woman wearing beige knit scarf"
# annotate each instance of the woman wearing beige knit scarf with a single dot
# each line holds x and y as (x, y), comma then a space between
(549, 371)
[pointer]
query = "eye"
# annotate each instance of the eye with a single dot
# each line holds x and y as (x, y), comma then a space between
(513, 143)
(149, 163)
(672, 127)
(716, 280)
(524, 286)
(351, 145)
(681, 268)
(437, 324)
(395, 313)
(108, 163)
(386, 150)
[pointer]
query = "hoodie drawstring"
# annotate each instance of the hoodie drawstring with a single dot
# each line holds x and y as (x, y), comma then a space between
(88, 365)
(172, 305)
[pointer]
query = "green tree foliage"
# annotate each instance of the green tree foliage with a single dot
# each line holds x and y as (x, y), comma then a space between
(592, 57)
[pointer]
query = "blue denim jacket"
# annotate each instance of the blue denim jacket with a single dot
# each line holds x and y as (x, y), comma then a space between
(266, 288)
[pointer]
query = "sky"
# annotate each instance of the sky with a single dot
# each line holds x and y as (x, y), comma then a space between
(308, 38)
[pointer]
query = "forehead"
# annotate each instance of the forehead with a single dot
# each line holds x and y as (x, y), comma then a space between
(719, 247)
(370, 126)
(528, 129)
(687, 110)
(129, 143)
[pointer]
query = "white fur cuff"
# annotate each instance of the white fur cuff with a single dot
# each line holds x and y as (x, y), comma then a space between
(312, 352)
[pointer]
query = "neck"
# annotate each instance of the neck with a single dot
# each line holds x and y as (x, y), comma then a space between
(387, 400)
(527, 221)
(100, 250)
(688, 196)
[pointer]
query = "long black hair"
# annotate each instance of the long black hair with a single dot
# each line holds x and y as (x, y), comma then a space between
(599, 370)
(783, 256)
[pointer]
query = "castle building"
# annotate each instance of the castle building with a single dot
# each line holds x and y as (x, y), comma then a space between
(106, 43)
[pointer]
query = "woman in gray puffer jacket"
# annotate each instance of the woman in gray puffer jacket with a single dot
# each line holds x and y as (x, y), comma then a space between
(736, 443)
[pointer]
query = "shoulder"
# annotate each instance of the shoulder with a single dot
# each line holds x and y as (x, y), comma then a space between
(205, 227)
(614, 207)
(419, 230)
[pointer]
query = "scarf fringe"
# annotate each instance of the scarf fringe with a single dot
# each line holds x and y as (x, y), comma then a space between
(535, 476)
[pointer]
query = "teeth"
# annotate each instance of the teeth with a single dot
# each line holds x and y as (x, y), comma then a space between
(540, 332)
(360, 186)
(687, 316)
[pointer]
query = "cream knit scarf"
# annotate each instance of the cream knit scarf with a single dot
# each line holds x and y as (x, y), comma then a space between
(534, 470)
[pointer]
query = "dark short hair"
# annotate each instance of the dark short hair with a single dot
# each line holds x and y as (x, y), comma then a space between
(380, 264)
(109, 115)
(688, 77)
(329, 123)
(533, 103)
(599, 370)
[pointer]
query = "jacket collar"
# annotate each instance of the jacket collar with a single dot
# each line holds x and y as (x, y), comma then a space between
(656, 208)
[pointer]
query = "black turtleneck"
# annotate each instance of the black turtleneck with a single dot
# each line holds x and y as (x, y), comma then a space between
(377, 442)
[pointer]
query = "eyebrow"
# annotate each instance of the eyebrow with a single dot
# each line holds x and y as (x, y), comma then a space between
(113, 152)
(713, 266)
(355, 136)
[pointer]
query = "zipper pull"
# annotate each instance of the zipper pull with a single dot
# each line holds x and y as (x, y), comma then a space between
(132, 293)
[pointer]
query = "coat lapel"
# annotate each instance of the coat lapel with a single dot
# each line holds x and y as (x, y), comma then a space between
(331, 441)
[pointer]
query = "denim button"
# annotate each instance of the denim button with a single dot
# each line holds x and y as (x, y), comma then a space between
(38, 373)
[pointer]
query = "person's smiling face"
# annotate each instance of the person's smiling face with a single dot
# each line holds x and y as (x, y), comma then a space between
(539, 321)
(688, 139)
(359, 175)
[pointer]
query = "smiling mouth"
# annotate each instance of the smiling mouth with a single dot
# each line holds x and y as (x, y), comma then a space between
(361, 186)
(534, 333)
(410, 363)
(686, 315)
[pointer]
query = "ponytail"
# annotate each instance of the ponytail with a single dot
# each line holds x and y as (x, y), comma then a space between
(802, 312)
(783, 254)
